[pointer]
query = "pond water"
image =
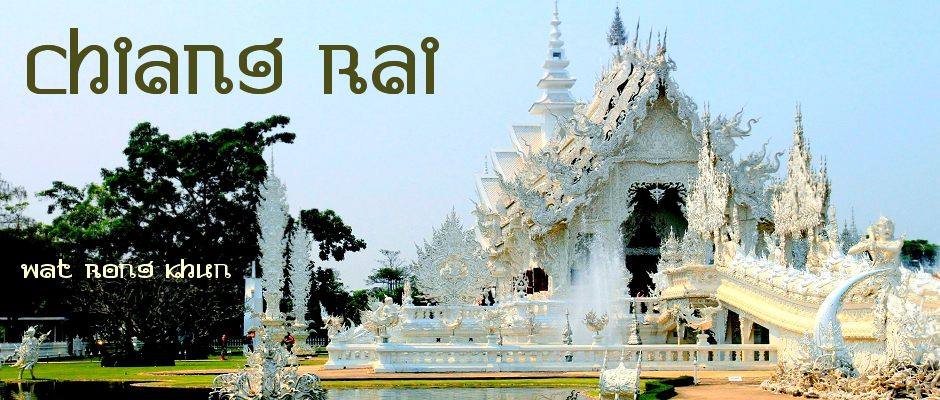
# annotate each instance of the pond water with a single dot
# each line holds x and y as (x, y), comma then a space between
(49, 390)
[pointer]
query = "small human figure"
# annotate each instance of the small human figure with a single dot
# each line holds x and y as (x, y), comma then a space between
(250, 340)
(289, 342)
(224, 343)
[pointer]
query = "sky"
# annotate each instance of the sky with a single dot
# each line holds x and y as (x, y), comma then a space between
(392, 166)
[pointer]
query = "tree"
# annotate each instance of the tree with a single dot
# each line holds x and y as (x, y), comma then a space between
(329, 292)
(13, 201)
(189, 198)
(28, 297)
(390, 272)
(334, 238)
(359, 300)
(919, 253)
(18, 232)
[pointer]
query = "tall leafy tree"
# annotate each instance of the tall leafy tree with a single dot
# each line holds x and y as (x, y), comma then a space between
(390, 273)
(333, 240)
(188, 198)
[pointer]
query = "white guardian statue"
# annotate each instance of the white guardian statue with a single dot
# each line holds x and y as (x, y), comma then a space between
(27, 354)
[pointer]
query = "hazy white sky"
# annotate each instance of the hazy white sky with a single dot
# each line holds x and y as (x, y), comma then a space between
(392, 166)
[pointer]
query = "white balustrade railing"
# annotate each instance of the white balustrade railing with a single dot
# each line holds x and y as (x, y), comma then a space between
(343, 356)
(47, 349)
(393, 357)
(528, 307)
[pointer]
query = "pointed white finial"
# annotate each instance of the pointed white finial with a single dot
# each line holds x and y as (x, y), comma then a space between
(272, 159)
(616, 37)
(636, 35)
(649, 40)
(556, 100)
(798, 139)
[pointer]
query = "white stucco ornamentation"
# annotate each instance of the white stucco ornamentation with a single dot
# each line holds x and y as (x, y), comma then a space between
(708, 198)
(800, 204)
(452, 269)
(380, 317)
(621, 380)
(334, 324)
(750, 177)
(881, 246)
(272, 212)
(300, 274)
(596, 324)
(827, 334)
(300, 279)
(271, 372)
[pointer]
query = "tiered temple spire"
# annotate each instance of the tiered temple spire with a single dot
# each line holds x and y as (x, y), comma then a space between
(708, 197)
(802, 200)
(556, 100)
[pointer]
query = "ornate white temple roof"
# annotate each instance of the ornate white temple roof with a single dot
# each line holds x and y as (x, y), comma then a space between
(490, 192)
(508, 163)
(554, 164)
(527, 138)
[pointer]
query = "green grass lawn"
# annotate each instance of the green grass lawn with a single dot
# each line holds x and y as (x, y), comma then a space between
(91, 370)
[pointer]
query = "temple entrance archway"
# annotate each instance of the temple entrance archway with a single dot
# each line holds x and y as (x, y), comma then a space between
(657, 209)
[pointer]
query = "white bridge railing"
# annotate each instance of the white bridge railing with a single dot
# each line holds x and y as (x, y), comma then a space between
(393, 357)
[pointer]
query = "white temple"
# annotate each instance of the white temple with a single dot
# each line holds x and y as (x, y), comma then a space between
(633, 208)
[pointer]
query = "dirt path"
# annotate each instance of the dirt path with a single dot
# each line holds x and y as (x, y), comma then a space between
(727, 391)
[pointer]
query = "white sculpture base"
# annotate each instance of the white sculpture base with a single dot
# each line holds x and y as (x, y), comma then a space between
(301, 348)
(276, 329)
